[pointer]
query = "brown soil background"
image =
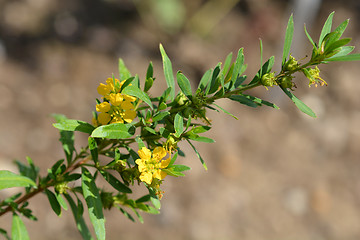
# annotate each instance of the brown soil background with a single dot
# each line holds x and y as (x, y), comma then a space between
(273, 174)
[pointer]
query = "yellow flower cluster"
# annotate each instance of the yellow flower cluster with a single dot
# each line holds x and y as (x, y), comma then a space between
(315, 77)
(116, 107)
(150, 165)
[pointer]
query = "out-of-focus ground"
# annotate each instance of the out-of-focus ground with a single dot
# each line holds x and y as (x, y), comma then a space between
(273, 174)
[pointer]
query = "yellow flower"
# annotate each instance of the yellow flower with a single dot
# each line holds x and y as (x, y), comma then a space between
(103, 107)
(116, 107)
(104, 118)
(103, 89)
(150, 165)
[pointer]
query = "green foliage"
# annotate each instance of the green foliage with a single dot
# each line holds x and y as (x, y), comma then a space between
(134, 136)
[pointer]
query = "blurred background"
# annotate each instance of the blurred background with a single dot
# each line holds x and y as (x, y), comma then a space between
(273, 174)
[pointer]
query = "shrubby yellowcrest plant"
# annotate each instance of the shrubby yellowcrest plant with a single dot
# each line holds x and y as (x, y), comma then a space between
(133, 138)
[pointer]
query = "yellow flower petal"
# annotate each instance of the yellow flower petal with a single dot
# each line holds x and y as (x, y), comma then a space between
(129, 116)
(159, 153)
(129, 98)
(144, 154)
(103, 107)
(146, 177)
(127, 105)
(165, 163)
(115, 99)
(111, 86)
(104, 118)
(103, 89)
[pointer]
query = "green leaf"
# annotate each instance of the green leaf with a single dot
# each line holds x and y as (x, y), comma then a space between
(148, 84)
(309, 37)
(124, 73)
(243, 100)
(227, 63)
(345, 50)
(9, 179)
(127, 83)
(115, 182)
(201, 139)
(168, 72)
(205, 79)
(184, 84)
(79, 220)
(93, 201)
(200, 129)
(139, 142)
(178, 125)
(342, 27)
(4, 234)
(18, 229)
(67, 141)
(261, 59)
(326, 28)
(93, 149)
(261, 101)
(350, 57)
(225, 111)
(288, 39)
(74, 125)
(239, 62)
(133, 90)
(336, 45)
(154, 199)
(114, 131)
(53, 202)
(198, 154)
(61, 201)
(215, 81)
(150, 71)
(31, 171)
(160, 116)
(302, 106)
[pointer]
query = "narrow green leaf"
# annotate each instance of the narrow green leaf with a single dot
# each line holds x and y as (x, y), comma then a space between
(114, 131)
(215, 82)
(302, 106)
(78, 217)
(261, 101)
(238, 65)
(148, 84)
(9, 180)
(160, 116)
(197, 154)
(150, 71)
(61, 201)
(288, 39)
(154, 199)
(261, 58)
(4, 234)
(126, 214)
(173, 159)
(180, 168)
(201, 139)
(74, 125)
(93, 149)
(337, 44)
(140, 142)
(200, 129)
(326, 28)
(127, 83)
(227, 63)
(225, 111)
(168, 72)
(113, 181)
(345, 50)
(350, 57)
(133, 90)
(93, 201)
(178, 125)
(53, 202)
(184, 84)
(30, 170)
(124, 73)
(18, 229)
(342, 27)
(205, 79)
(243, 100)
(309, 37)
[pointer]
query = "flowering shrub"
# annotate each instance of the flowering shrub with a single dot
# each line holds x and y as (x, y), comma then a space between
(133, 137)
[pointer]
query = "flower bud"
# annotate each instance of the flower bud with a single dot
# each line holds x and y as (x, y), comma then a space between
(291, 64)
(268, 79)
(286, 82)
